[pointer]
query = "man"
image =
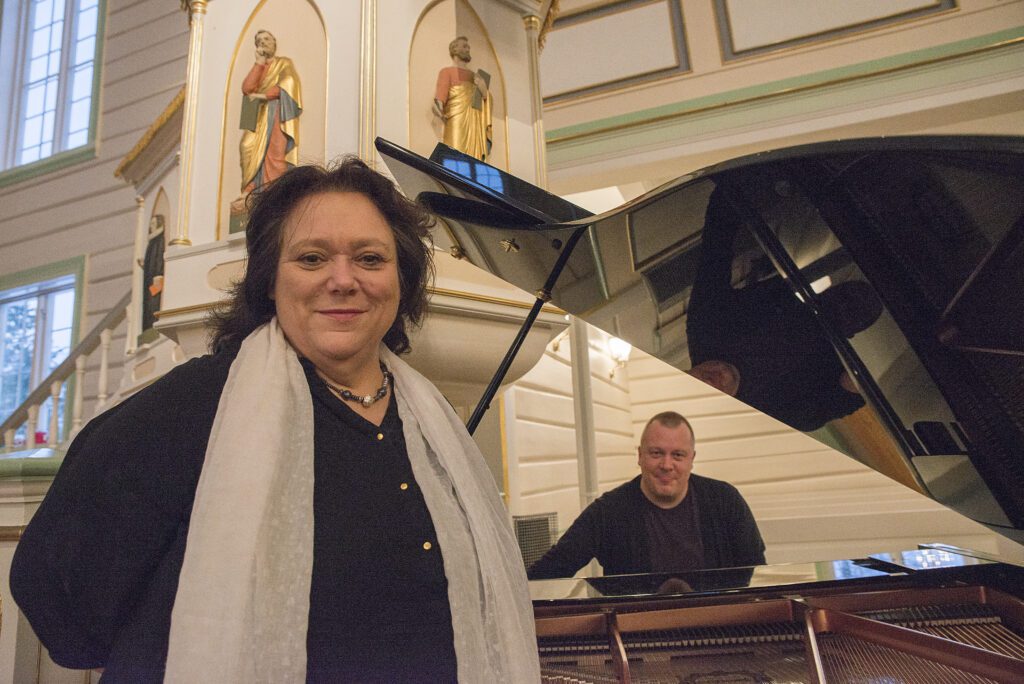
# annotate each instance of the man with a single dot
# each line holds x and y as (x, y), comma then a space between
(270, 112)
(462, 101)
(665, 520)
(763, 345)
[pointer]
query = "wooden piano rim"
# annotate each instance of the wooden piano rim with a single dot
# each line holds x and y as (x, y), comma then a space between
(819, 614)
(778, 610)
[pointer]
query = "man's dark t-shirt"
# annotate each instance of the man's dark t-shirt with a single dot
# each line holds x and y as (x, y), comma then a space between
(674, 535)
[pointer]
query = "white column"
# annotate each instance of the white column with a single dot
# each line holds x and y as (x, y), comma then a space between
(368, 81)
(540, 156)
(197, 15)
(583, 411)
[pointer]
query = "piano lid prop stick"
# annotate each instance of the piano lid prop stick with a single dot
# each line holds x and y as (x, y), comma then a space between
(543, 296)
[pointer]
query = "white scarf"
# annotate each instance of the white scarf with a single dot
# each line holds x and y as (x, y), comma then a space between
(242, 607)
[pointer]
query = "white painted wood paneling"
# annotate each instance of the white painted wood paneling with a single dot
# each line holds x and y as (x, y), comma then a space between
(543, 442)
(757, 23)
(584, 48)
(811, 502)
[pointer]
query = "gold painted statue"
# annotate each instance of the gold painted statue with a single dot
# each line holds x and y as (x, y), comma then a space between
(270, 117)
(463, 102)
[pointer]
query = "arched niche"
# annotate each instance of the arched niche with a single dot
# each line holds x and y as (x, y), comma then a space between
(439, 24)
(301, 36)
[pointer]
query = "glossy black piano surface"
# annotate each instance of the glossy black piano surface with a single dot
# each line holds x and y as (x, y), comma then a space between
(867, 292)
(779, 579)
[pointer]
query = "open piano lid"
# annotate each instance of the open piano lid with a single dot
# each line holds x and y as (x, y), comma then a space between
(867, 292)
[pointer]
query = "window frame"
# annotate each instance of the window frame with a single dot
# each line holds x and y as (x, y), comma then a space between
(14, 42)
(75, 267)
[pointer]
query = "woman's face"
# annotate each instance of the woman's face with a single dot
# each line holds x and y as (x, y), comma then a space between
(337, 287)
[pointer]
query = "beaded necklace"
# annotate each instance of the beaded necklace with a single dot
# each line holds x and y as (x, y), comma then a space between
(367, 400)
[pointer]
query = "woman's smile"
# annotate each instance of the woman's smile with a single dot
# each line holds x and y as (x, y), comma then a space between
(343, 315)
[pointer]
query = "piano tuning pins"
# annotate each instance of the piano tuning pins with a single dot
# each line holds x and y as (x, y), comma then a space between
(509, 245)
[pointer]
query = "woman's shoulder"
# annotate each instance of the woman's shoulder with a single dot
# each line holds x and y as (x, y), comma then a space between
(186, 395)
(204, 373)
(197, 380)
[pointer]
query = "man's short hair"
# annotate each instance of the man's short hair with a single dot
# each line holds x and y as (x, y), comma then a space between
(451, 45)
(669, 419)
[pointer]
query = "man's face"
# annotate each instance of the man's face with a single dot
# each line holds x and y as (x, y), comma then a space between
(666, 460)
(721, 375)
(266, 44)
(461, 50)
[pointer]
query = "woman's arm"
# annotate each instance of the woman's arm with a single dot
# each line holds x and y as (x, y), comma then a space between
(116, 505)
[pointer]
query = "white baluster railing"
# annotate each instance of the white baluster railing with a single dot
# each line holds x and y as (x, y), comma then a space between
(33, 424)
(76, 408)
(51, 434)
(101, 392)
(50, 388)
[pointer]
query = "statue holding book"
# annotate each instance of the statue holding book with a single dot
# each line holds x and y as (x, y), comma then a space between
(269, 118)
(462, 100)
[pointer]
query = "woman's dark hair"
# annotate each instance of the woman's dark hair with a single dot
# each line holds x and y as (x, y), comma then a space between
(249, 305)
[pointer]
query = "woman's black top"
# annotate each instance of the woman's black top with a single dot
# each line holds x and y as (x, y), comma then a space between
(97, 568)
(378, 607)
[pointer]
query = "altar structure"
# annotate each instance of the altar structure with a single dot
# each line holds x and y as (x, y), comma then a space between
(353, 59)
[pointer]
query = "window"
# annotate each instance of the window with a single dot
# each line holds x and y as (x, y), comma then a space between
(477, 171)
(37, 323)
(47, 62)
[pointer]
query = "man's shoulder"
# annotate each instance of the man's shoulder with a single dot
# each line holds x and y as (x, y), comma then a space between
(713, 486)
(719, 494)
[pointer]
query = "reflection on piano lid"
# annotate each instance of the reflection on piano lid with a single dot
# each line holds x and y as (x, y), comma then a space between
(867, 292)
(787, 577)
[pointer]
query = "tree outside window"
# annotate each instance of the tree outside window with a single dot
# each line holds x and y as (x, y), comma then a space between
(36, 325)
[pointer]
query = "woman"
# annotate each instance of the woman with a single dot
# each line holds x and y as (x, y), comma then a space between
(299, 505)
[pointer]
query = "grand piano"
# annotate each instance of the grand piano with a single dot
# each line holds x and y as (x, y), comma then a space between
(868, 290)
